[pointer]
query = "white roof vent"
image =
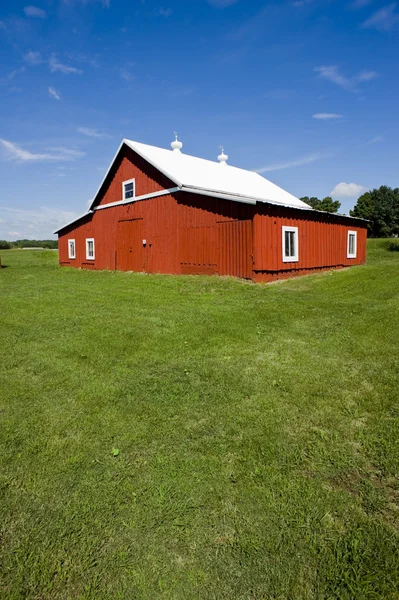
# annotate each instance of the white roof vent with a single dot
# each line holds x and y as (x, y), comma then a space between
(176, 145)
(222, 158)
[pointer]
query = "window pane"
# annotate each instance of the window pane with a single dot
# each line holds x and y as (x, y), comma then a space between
(90, 248)
(292, 243)
(351, 243)
(129, 190)
(287, 243)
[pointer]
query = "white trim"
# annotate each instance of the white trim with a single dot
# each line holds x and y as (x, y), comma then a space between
(124, 141)
(87, 250)
(133, 181)
(204, 192)
(354, 254)
(137, 198)
(71, 255)
(284, 230)
(151, 162)
(86, 214)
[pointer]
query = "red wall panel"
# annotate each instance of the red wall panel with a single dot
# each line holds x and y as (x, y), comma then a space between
(190, 233)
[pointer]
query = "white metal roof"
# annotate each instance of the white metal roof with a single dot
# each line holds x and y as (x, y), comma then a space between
(190, 173)
(200, 174)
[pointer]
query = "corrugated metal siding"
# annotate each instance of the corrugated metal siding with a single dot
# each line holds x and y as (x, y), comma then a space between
(189, 233)
(130, 165)
(322, 241)
(202, 246)
(235, 248)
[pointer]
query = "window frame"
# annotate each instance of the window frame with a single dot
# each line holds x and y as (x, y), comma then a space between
(288, 229)
(87, 249)
(70, 257)
(348, 253)
(134, 189)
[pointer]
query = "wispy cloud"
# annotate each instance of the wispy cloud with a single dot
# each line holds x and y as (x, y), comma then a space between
(163, 12)
(222, 3)
(53, 93)
(11, 75)
(34, 11)
(2, 25)
(298, 162)
(14, 152)
(385, 19)
(94, 133)
(347, 190)
(55, 65)
(32, 223)
(126, 73)
(333, 74)
(375, 140)
(326, 116)
(33, 58)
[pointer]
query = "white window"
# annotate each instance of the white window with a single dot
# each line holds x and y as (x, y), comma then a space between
(71, 249)
(128, 189)
(90, 254)
(290, 244)
(352, 244)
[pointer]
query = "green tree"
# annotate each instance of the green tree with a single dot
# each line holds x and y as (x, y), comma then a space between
(327, 204)
(381, 208)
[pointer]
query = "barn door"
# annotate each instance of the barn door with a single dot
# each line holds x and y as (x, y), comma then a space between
(129, 246)
(235, 248)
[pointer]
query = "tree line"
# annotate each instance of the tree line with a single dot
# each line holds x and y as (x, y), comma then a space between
(379, 206)
(52, 244)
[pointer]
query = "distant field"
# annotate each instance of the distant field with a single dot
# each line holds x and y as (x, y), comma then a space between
(198, 437)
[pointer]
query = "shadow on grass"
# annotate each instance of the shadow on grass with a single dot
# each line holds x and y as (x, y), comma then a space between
(393, 246)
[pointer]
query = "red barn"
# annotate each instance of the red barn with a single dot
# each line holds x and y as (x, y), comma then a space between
(161, 211)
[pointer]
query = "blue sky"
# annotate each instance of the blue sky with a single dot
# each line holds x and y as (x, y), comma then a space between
(304, 91)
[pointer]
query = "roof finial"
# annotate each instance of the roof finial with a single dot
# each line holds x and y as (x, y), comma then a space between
(176, 145)
(222, 158)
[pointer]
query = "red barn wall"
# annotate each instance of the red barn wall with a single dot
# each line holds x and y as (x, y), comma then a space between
(129, 165)
(193, 234)
(160, 226)
(322, 241)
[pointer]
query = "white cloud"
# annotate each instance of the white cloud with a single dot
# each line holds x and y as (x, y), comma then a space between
(36, 223)
(126, 75)
(164, 12)
(375, 140)
(298, 162)
(14, 152)
(34, 11)
(33, 58)
(326, 116)
(94, 133)
(385, 19)
(347, 190)
(222, 3)
(53, 93)
(332, 73)
(55, 65)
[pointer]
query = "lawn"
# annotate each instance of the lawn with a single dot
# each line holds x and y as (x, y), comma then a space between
(198, 437)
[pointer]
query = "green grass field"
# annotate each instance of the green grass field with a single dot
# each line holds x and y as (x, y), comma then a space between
(199, 438)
